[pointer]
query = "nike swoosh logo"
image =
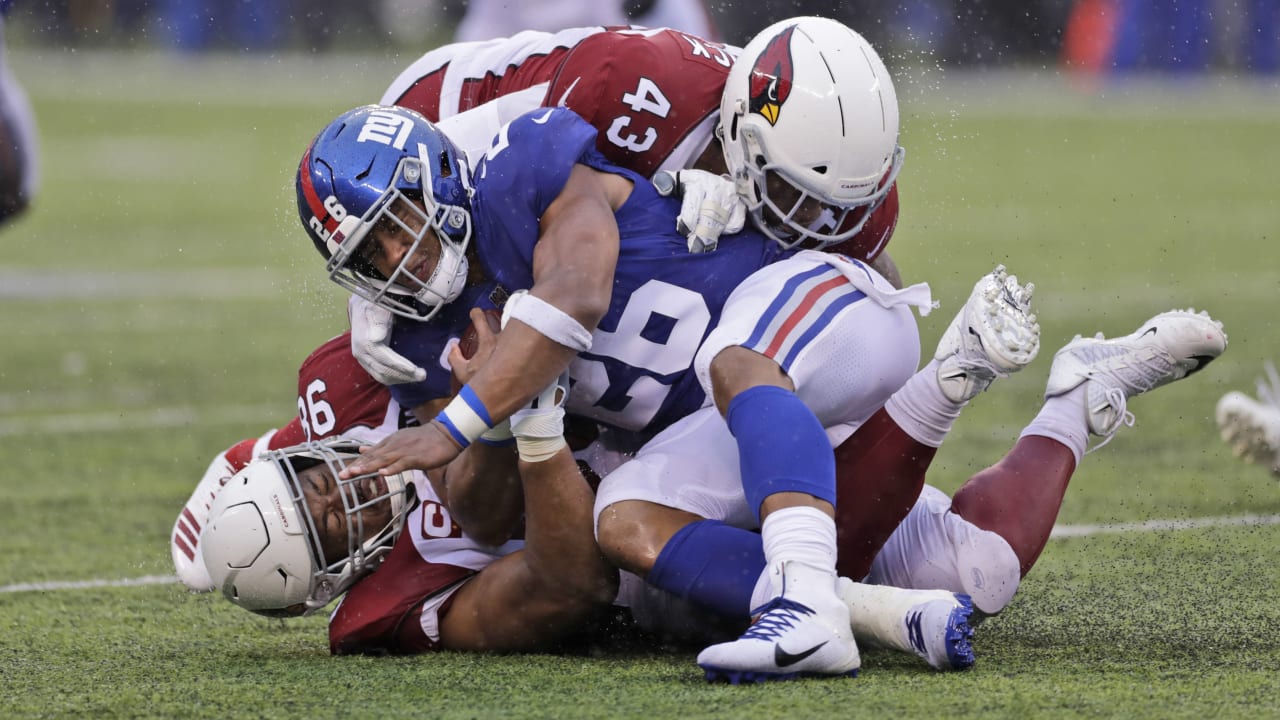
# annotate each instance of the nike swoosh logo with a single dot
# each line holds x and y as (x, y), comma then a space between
(545, 116)
(1150, 331)
(782, 658)
(565, 97)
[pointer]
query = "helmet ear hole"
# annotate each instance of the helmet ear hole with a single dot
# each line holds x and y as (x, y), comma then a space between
(445, 169)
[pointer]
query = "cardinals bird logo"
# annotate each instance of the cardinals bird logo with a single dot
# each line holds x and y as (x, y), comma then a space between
(771, 77)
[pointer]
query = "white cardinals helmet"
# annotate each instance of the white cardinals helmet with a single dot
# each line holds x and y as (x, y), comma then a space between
(264, 549)
(809, 127)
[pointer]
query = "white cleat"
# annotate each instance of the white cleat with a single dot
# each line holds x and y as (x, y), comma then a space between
(1252, 427)
(993, 335)
(184, 541)
(933, 624)
(1168, 347)
(804, 632)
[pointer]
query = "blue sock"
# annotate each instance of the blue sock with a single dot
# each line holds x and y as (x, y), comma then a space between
(781, 446)
(711, 564)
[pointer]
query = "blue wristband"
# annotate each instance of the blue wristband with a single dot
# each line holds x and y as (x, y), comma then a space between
(465, 417)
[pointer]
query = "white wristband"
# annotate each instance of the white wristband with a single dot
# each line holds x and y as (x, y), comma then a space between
(465, 417)
(547, 319)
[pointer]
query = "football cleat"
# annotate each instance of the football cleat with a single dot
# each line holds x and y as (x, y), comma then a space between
(1252, 427)
(1168, 347)
(933, 624)
(797, 634)
(993, 335)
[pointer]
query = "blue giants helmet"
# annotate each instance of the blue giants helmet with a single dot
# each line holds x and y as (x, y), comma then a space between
(386, 164)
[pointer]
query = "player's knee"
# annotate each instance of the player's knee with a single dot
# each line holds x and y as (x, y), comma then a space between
(736, 369)
(626, 539)
(988, 570)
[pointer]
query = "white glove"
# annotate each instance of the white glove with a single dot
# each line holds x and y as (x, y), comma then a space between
(710, 206)
(539, 426)
(371, 344)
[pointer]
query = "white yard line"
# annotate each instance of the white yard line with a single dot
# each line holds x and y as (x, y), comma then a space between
(138, 420)
(1061, 531)
(55, 284)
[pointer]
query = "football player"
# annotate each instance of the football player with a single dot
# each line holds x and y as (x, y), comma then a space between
(655, 98)
(285, 536)
(548, 213)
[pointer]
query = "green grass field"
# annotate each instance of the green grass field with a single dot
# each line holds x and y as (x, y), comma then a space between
(160, 295)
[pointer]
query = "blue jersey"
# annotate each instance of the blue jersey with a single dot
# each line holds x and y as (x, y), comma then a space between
(427, 344)
(638, 375)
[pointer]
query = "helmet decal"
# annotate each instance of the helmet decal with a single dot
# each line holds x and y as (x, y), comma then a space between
(325, 214)
(771, 76)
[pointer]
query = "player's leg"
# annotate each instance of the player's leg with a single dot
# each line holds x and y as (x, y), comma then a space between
(676, 516)
(811, 342)
(1252, 426)
(881, 467)
(994, 529)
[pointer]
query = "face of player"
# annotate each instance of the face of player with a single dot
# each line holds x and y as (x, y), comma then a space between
(323, 495)
(804, 210)
(401, 242)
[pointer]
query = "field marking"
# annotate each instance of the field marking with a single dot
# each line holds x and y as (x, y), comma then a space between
(1059, 532)
(1074, 531)
(57, 284)
(142, 420)
(89, 584)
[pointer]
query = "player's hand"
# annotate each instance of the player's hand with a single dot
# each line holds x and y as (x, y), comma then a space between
(710, 206)
(477, 344)
(371, 344)
(425, 447)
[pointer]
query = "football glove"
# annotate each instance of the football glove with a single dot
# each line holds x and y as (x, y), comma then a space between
(371, 344)
(709, 206)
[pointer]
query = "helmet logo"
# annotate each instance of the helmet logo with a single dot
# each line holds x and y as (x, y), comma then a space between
(386, 128)
(770, 78)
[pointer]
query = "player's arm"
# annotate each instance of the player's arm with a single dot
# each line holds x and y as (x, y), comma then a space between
(573, 267)
(559, 580)
(481, 488)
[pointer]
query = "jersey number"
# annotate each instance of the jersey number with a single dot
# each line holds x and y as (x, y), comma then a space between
(635, 363)
(647, 98)
(318, 418)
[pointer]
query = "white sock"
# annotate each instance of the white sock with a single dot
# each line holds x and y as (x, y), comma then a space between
(1063, 419)
(920, 408)
(802, 535)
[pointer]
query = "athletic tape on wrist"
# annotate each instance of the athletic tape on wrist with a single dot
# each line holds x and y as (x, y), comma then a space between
(549, 320)
(465, 417)
(539, 433)
(538, 449)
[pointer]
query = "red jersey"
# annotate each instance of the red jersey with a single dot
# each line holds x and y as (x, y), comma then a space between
(336, 396)
(652, 94)
(384, 611)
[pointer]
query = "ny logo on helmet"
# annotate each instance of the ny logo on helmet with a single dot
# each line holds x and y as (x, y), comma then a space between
(386, 128)
(771, 77)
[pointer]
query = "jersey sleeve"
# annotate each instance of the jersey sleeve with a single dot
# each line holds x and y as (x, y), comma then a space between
(336, 396)
(651, 94)
(379, 614)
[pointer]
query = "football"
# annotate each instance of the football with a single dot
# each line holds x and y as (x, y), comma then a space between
(469, 340)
